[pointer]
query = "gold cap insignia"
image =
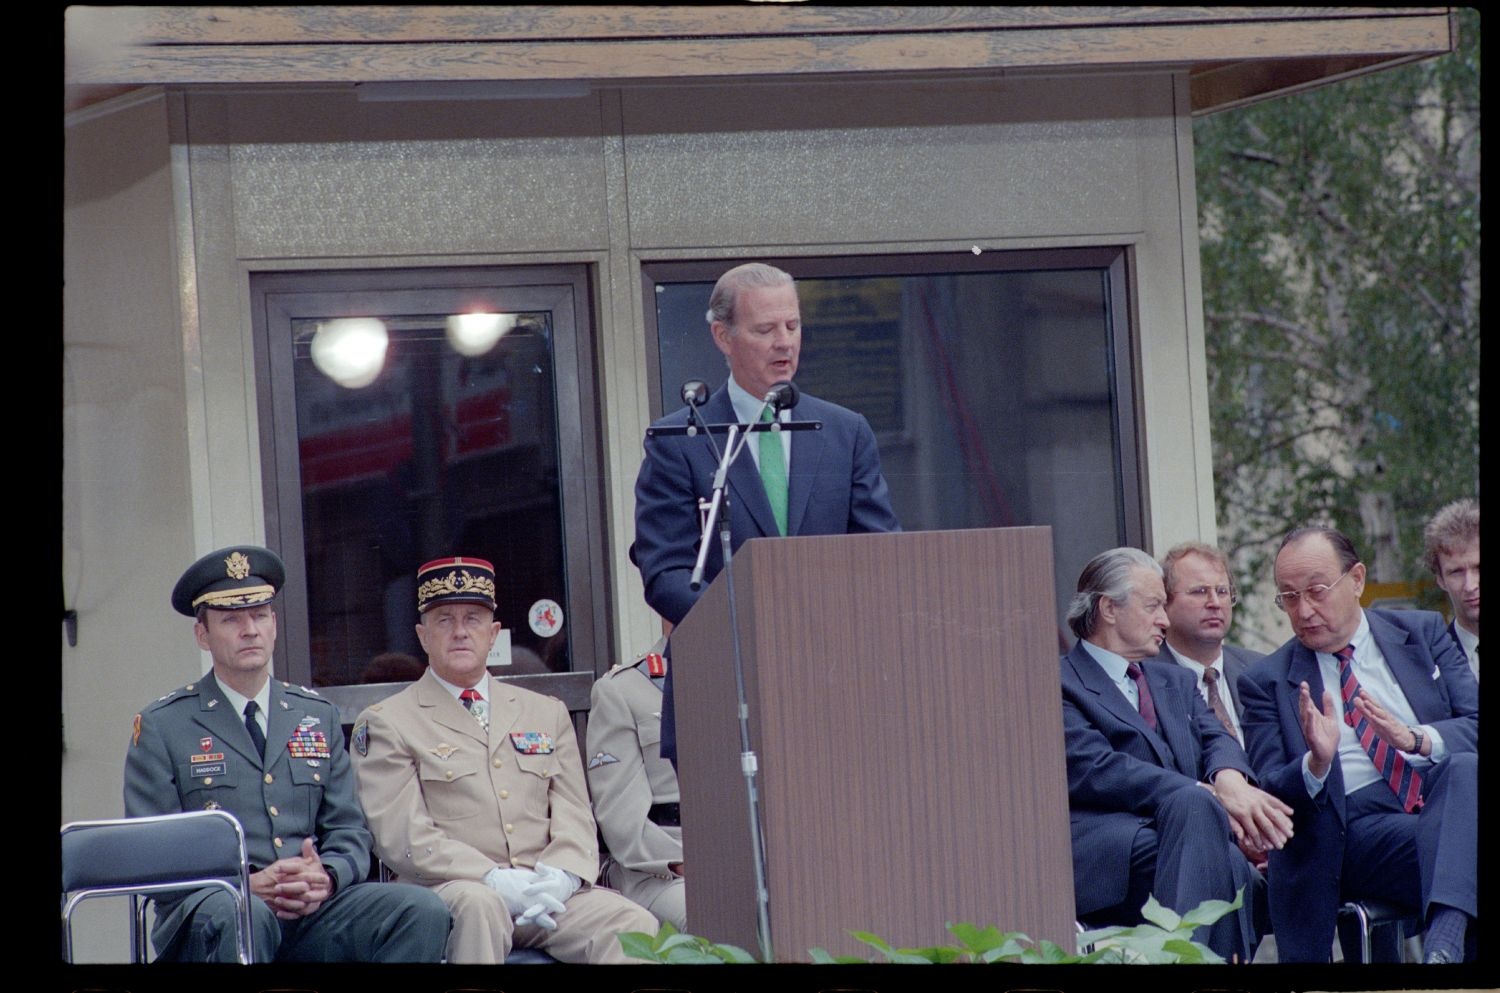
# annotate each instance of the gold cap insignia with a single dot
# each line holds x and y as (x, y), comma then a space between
(237, 565)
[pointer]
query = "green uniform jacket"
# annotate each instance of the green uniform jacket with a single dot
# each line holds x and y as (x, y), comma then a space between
(190, 751)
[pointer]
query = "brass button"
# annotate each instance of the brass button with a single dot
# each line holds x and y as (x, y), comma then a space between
(276, 842)
(269, 779)
(498, 763)
(505, 794)
(448, 774)
(274, 811)
(317, 777)
(208, 780)
(509, 828)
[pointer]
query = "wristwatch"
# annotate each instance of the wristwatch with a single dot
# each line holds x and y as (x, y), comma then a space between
(1416, 745)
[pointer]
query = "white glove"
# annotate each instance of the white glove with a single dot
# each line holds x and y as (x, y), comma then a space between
(546, 895)
(540, 913)
(511, 884)
(560, 883)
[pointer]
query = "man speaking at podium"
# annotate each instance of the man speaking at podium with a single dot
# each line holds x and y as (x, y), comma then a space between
(794, 483)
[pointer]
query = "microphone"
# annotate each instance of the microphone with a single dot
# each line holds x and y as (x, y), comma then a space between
(695, 392)
(782, 396)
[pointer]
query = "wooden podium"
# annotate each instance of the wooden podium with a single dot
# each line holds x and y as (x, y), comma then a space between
(906, 713)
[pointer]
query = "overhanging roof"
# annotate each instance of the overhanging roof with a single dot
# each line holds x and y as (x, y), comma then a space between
(1233, 55)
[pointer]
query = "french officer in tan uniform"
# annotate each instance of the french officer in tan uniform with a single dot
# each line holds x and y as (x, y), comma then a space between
(475, 788)
(635, 789)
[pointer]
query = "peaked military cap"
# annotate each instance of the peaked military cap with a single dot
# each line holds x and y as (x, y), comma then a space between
(457, 579)
(230, 579)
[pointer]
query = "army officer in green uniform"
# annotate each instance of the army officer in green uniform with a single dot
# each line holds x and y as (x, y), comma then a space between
(271, 754)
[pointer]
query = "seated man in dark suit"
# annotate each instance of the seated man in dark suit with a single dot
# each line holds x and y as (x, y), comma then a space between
(1384, 787)
(1159, 792)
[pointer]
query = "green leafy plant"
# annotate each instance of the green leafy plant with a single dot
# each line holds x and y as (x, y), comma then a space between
(1164, 938)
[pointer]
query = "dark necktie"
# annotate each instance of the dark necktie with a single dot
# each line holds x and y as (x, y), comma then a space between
(1216, 702)
(257, 738)
(1146, 707)
(1389, 762)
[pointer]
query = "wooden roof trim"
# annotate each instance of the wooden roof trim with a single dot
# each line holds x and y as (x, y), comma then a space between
(1121, 47)
(466, 25)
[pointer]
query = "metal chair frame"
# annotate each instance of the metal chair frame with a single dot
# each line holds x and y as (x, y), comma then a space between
(208, 863)
(1372, 914)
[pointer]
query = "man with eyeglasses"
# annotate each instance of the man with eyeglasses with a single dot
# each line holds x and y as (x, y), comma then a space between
(1200, 607)
(1158, 791)
(1367, 723)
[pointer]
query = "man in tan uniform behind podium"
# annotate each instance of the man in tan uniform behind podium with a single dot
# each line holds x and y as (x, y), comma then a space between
(475, 788)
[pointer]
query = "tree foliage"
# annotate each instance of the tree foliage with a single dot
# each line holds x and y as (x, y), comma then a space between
(1340, 251)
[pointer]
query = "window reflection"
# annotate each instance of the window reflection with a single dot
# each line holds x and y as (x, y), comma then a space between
(431, 436)
(993, 394)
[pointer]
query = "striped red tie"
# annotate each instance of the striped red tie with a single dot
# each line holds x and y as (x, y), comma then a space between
(1391, 764)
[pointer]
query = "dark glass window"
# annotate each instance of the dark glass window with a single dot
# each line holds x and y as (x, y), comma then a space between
(411, 422)
(999, 386)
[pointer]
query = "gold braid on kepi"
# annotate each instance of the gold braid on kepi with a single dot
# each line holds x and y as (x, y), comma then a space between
(459, 579)
(230, 578)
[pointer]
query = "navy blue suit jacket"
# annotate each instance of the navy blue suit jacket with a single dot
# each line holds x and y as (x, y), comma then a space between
(1119, 769)
(834, 487)
(1304, 876)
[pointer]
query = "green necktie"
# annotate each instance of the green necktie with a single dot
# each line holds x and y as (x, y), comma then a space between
(773, 470)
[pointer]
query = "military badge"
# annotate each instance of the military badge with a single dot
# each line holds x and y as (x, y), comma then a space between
(306, 743)
(205, 744)
(655, 664)
(212, 805)
(602, 758)
(207, 765)
(135, 735)
(443, 750)
(532, 742)
(360, 739)
(237, 566)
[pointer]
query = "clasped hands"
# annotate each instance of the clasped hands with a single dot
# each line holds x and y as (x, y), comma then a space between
(1258, 821)
(296, 886)
(533, 896)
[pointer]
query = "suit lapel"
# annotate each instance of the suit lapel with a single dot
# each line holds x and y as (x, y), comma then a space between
(1097, 681)
(1303, 667)
(505, 711)
(446, 711)
(285, 714)
(1414, 678)
(807, 457)
(1171, 723)
(746, 489)
(227, 727)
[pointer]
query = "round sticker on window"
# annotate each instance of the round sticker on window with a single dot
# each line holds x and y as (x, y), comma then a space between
(546, 618)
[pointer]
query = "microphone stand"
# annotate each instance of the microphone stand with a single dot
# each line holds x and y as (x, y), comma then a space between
(718, 520)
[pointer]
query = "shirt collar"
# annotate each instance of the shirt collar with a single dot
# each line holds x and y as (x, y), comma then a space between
(1113, 665)
(1361, 640)
(457, 691)
(1467, 639)
(237, 701)
(747, 406)
(1193, 664)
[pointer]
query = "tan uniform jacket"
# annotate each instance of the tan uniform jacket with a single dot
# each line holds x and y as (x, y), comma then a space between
(446, 802)
(627, 773)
